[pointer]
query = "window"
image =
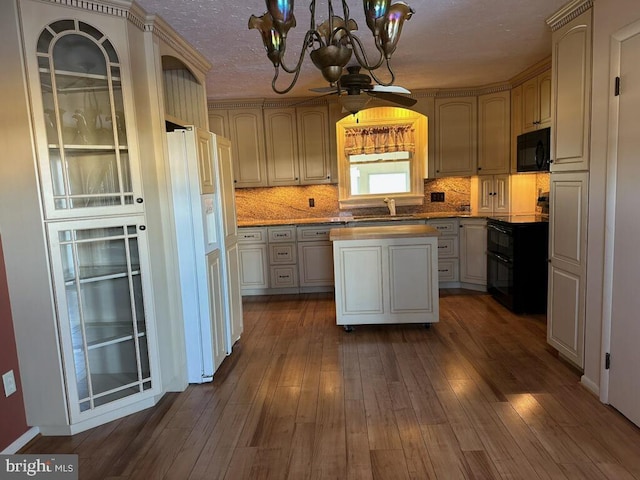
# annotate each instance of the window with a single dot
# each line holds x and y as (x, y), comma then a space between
(381, 152)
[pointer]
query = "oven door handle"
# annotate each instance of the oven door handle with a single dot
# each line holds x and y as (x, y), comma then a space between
(499, 257)
(498, 229)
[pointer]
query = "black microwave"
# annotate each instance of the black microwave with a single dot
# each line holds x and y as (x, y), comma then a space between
(534, 152)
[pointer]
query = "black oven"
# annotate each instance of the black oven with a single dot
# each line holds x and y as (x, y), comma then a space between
(517, 262)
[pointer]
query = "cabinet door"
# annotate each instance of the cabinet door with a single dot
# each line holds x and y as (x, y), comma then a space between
(108, 341)
(485, 194)
(205, 162)
(246, 129)
(544, 98)
(224, 170)
(219, 122)
(572, 92)
(473, 247)
(253, 266)
(315, 262)
(501, 194)
(567, 257)
(83, 116)
(313, 144)
(281, 138)
(494, 133)
(530, 105)
(456, 136)
(215, 281)
(516, 124)
(235, 324)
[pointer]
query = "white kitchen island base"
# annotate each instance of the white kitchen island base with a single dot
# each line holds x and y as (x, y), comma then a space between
(386, 275)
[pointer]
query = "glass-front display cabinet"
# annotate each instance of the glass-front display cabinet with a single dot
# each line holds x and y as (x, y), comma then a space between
(99, 270)
(88, 169)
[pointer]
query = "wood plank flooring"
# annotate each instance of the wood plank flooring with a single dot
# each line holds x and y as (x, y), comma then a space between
(480, 395)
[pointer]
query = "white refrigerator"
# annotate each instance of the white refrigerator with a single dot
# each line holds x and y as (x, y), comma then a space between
(208, 297)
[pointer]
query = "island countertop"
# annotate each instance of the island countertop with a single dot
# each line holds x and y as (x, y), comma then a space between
(388, 231)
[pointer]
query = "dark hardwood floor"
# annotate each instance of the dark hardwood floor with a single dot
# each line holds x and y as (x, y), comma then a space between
(480, 395)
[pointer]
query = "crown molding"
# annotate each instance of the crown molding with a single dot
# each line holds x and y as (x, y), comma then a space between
(158, 27)
(116, 8)
(531, 72)
(567, 13)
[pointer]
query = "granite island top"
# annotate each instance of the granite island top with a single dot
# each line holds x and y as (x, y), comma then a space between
(382, 232)
(341, 220)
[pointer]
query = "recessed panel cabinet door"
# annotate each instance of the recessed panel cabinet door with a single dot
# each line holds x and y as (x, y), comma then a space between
(282, 146)
(567, 256)
(313, 145)
(456, 136)
(246, 127)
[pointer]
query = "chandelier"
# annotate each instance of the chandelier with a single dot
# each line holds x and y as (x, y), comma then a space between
(331, 43)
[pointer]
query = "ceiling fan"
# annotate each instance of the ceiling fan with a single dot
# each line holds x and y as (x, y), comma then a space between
(355, 90)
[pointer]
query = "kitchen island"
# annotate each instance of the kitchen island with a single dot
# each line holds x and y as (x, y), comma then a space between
(385, 274)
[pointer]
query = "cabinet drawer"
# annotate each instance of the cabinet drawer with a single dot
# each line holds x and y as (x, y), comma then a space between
(310, 234)
(284, 253)
(445, 227)
(448, 271)
(282, 234)
(252, 235)
(448, 247)
(284, 276)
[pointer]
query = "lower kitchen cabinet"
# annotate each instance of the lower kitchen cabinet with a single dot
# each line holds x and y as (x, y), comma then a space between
(315, 258)
(253, 257)
(107, 337)
(473, 248)
(448, 262)
(386, 280)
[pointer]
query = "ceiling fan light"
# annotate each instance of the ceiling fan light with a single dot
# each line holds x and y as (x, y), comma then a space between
(353, 103)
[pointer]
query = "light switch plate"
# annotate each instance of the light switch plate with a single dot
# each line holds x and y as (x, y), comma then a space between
(9, 382)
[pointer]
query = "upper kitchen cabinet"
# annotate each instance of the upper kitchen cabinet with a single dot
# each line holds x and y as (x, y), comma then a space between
(246, 132)
(297, 145)
(83, 112)
(536, 102)
(456, 136)
(571, 59)
(494, 133)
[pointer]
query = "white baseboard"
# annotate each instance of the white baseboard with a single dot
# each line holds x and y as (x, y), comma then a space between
(21, 441)
(590, 385)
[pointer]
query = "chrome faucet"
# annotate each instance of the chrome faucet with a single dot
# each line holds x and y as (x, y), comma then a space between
(391, 204)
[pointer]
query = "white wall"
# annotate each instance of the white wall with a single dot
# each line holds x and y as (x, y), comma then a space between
(608, 17)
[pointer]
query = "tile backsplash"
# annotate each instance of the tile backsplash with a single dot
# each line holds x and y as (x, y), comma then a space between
(281, 203)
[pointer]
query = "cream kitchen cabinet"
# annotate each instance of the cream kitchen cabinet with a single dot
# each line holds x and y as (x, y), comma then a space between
(490, 194)
(246, 132)
(283, 265)
(456, 135)
(494, 134)
(473, 250)
(297, 145)
(516, 125)
(315, 258)
(386, 278)
(567, 264)
(536, 102)
(253, 257)
(88, 345)
(448, 251)
(571, 61)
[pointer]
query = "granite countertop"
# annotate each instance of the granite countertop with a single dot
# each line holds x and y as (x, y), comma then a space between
(361, 218)
(382, 232)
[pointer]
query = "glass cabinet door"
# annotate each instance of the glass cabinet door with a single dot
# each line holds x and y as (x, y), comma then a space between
(100, 294)
(89, 169)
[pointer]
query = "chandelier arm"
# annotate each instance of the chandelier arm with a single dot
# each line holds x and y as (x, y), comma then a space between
(377, 80)
(307, 41)
(361, 54)
(286, 90)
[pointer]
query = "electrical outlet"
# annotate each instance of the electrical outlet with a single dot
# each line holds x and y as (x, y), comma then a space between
(9, 382)
(437, 196)
(312, 202)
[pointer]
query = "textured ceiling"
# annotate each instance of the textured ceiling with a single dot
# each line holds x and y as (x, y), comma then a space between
(447, 43)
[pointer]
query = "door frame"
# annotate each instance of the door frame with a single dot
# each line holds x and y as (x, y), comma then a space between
(610, 201)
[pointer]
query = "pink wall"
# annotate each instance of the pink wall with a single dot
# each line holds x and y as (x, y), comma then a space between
(13, 422)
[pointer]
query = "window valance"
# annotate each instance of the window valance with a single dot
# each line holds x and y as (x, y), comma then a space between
(382, 139)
